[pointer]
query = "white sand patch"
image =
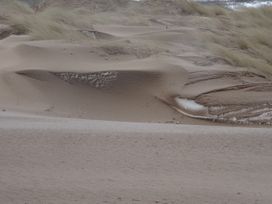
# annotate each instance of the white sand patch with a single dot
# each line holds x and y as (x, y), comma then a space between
(189, 105)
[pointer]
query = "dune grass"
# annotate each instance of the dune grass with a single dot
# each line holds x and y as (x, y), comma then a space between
(179, 7)
(49, 23)
(242, 37)
(55, 22)
(11, 7)
(245, 40)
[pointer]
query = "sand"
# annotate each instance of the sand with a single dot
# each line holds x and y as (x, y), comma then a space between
(56, 160)
(137, 114)
(136, 75)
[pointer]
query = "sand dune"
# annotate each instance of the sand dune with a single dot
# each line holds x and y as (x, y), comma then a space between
(135, 112)
(136, 75)
(84, 85)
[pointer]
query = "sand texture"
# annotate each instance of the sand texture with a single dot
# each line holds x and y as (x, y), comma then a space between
(56, 160)
(135, 75)
(138, 113)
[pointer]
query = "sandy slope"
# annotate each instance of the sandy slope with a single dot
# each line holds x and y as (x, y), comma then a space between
(153, 74)
(54, 160)
(30, 82)
(135, 75)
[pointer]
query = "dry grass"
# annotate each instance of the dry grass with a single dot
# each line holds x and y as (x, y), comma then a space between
(137, 49)
(245, 39)
(92, 5)
(13, 7)
(53, 22)
(179, 7)
(50, 23)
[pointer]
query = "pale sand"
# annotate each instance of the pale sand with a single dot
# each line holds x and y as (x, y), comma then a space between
(56, 160)
(144, 76)
(136, 77)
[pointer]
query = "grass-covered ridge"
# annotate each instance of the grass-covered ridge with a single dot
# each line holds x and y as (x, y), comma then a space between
(244, 38)
(46, 19)
(48, 23)
(180, 7)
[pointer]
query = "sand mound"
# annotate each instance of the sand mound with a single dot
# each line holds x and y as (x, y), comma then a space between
(61, 103)
(154, 73)
(109, 94)
(79, 82)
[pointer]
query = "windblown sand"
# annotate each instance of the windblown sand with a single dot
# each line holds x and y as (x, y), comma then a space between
(86, 122)
(56, 160)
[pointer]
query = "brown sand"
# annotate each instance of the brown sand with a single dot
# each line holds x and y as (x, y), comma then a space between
(56, 160)
(144, 76)
(133, 76)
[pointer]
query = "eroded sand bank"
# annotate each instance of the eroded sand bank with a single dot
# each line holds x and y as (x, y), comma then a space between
(133, 76)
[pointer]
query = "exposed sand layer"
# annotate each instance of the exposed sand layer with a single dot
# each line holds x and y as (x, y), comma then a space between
(130, 73)
(57, 160)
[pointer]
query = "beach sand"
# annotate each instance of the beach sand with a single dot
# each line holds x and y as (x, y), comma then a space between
(56, 160)
(138, 114)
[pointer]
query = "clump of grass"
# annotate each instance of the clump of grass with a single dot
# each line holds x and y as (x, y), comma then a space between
(49, 23)
(13, 7)
(180, 7)
(92, 5)
(66, 22)
(246, 41)
(130, 48)
(204, 10)
(236, 57)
